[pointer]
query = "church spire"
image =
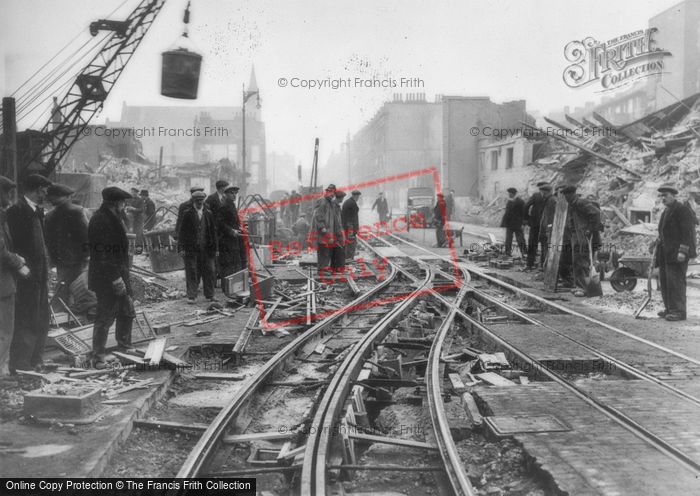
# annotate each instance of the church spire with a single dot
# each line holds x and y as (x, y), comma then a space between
(253, 85)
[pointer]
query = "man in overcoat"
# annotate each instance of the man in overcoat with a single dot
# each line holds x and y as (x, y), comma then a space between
(676, 245)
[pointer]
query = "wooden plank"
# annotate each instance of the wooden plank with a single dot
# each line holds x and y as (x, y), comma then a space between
(409, 443)
(291, 453)
(555, 242)
(219, 376)
(352, 285)
(620, 215)
(257, 436)
(158, 350)
(457, 384)
(149, 351)
(89, 373)
(175, 360)
(115, 402)
(471, 409)
(495, 379)
(129, 358)
(390, 468)
(163, 425)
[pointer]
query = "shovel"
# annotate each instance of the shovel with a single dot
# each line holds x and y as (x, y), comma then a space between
(646, 301)
(593, 287)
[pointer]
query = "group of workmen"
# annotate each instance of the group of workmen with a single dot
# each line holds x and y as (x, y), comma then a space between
(672, 250)
(210, 238)
(32, 241)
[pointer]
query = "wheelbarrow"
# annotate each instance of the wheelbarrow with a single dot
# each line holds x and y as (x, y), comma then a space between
(624, 278)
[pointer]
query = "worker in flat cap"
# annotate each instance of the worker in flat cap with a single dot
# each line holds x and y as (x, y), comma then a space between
(108, 274)
(350, 217)
(149, 211)
(183, 206)
(198, 244)
(25, 220)
(12, 267)
(382, 207)
(218, 197)
(674, 248)
(534, 207)
(546, 220)
(440, 220)
(230, 235)
(66, 237)
(583, 227)
(513, 222)
(136, 211)
(327, 228)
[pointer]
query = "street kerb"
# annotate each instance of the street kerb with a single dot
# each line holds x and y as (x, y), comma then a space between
(365, 232)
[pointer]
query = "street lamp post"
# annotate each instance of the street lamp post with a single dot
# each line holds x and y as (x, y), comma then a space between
(246, 96)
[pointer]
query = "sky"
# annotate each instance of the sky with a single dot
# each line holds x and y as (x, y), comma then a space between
(503, 49)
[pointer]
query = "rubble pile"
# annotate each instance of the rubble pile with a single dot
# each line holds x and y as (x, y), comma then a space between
(146, 290)
(622, 170)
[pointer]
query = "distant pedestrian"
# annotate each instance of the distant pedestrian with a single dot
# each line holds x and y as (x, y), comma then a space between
(450, 204)
(675, 247)
(197, 242)
(149, 211)
(12, 267)
(513, 222)
(25, 221)
(440, 216)
(349, 214)
(294, 206)
(108, 274)
(534, 207)
(382, 207)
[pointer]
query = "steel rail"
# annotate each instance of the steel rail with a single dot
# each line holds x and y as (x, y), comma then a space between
(552, 304)
(615, 414)
(313, 478)
(209, 441)
(454, 466)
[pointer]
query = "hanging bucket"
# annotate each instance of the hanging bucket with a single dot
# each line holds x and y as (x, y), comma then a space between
(180, 76)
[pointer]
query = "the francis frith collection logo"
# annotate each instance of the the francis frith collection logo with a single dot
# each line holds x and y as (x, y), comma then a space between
(616, 62)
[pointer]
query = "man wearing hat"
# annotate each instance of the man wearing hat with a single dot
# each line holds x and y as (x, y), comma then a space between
(183, 206)
(25, 220)
(549, 207)
(440, 216)
(108, 273)
(349, 214)
(382, 207)
(583, 223)
(12, 266)
(66, 234)
(450, 204)
(675, 246)
(197, 242)
(301, 230)
(294, 205)
(228, 226)
(513, 222)
(534, 207)
(149, 209)
(328, 227)
(216, 200)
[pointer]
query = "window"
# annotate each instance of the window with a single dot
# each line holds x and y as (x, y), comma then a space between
(494, 160)
(482, 161)
(509, 158)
